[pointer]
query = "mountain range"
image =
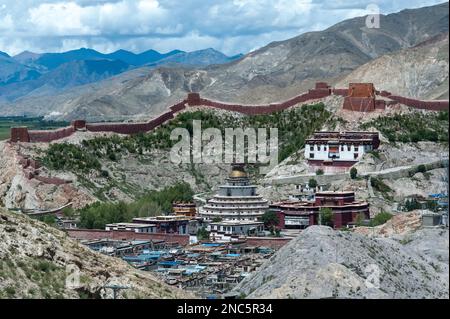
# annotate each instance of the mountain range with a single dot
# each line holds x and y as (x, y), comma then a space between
(36, 74)
(275, 72)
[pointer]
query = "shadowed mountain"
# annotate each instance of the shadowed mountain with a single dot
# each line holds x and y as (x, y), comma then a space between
(65, 76)
(198, 58)
(53, 60)
(71, 66)
(12, 71)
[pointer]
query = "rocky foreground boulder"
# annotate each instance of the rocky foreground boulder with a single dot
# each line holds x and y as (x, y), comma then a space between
(324, 263)
(39, 261)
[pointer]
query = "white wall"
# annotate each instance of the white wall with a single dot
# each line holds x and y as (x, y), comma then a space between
(321, 152)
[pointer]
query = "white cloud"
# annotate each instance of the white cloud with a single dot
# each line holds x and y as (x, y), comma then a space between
(231, 26)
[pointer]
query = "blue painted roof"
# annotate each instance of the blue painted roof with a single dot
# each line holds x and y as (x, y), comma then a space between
(212, 244)
(169, 263)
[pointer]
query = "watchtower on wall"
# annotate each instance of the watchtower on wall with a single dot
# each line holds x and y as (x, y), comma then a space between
(361, 97)
(193, 99)
(20, 134)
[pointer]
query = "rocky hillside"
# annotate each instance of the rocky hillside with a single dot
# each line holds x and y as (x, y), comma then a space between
(38, 261)
(322, 263)
(275, 72)
(420, 71)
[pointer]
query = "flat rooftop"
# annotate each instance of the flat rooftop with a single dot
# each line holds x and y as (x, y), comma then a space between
(237, 223)
(133, 225)
(162, 218)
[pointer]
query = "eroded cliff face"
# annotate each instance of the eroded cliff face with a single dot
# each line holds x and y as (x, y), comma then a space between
(18, 191)
(39, 261)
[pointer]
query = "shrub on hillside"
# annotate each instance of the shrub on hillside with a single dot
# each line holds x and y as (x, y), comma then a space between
(380, 219)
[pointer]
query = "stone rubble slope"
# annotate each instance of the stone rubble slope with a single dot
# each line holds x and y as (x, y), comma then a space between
(323, 263)
(36, 259)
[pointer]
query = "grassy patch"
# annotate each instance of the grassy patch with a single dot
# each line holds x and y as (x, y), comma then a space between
(413, 127)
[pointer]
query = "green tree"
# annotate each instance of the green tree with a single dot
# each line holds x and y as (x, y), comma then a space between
(270, 219)
(202, 234)
(353, 173)
(360, 219)
(319, 171)
(312, 183)
(326, 216)
(380, 218)
(421, 168)
(154, 203)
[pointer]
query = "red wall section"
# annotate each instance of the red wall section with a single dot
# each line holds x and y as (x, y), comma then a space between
(130, 128)
(79, 124)
(48, 136)
(19, 134)
(358, 97)
(361, 90)
(93, 234)
(341, 92)
(418, 104)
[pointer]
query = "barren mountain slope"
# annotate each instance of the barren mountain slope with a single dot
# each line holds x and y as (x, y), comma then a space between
(420, 72)
(37, 261)
(322, 263)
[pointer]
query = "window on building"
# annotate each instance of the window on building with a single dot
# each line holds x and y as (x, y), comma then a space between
(311, 155)
(342, 147)
(311, 148)
(355, 155)
(348, 148)
(319, 147)
(324, 148)
(356, 148)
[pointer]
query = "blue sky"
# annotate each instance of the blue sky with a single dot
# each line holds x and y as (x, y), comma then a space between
(231, 26)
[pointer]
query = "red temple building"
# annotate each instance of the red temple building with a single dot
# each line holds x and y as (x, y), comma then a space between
(301, 214)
